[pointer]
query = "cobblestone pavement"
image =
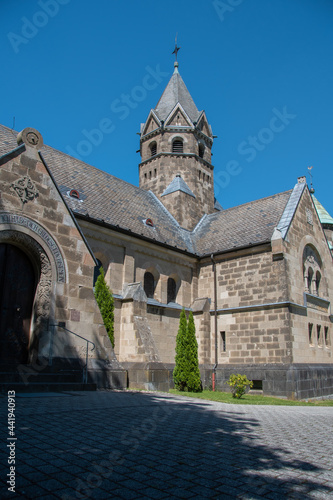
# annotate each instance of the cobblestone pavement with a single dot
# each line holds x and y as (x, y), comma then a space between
(127, 445)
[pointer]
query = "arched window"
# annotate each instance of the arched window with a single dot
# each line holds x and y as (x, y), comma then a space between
(177, 146)
(172, 290)
(149, 285)
(97, 270)
(201, 150)
(153, 148)
(312, 270)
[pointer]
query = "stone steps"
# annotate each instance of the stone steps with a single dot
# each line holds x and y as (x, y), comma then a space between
(37, 378)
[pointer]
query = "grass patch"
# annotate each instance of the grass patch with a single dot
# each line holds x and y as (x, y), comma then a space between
(249, 399)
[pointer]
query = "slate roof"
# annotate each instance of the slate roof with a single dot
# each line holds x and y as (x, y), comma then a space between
(176, 92)
(248, 224)
(119, 204)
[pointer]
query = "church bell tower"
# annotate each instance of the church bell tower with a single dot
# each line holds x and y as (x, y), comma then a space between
(175, 147)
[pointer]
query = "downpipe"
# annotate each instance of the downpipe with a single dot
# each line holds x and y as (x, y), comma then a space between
(215, 323)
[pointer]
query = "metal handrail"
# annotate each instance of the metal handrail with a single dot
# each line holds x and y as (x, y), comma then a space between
(85, 368)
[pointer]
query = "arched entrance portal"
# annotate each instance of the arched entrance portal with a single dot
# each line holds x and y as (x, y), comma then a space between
(17, 290)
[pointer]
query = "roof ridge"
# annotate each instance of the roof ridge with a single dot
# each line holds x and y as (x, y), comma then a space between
(290, 209)
(250, 202)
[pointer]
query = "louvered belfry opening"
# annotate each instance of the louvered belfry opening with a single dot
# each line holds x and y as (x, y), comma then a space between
(177, 146)
(149, 285)
(153, 148)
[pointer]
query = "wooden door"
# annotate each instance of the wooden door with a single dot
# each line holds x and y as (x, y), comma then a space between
(17, 290)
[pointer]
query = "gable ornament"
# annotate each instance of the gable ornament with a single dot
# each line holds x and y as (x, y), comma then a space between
(25, 189)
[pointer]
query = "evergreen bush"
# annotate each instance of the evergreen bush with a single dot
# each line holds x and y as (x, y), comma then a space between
(105, 303)
(186, 374)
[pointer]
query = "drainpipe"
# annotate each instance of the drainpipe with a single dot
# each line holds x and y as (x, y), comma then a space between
(215, 321)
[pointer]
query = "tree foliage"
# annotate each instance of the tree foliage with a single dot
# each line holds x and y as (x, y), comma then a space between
(105, 303)
(186, 374)
(239, 384)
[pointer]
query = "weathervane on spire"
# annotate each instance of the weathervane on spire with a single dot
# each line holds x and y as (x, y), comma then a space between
(176, 48)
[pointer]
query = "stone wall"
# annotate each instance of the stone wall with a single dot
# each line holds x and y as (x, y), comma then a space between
(127, 259)
(34, 217)
(305, 231)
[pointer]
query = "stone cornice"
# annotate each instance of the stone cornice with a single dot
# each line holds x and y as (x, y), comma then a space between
(188, 155)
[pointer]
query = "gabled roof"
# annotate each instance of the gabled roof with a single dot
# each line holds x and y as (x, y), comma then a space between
(125, 207)
(177, 184)
(104, 197)
(176, 92)
(245, 225)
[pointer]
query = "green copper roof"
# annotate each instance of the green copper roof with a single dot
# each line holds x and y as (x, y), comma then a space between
(324, 216)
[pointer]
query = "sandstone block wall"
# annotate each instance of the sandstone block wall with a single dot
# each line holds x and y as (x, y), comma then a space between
(41, 224)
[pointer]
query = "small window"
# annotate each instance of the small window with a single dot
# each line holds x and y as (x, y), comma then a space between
(145, 175)
(327, 337)
(172, 290)
(257, 385)
(223, 342)
(155, 172)
(199, 175)
(177, 146)
(318, 278)
(153, 148)
(319, 336)
(201, 150)
(310, 326)
(149, 285)
(97, 270)
(74, 194)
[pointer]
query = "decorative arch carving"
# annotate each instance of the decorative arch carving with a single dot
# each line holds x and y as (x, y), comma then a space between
(43, 270)
(13, 220)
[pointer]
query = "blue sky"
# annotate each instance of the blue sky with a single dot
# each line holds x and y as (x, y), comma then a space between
(261, 69)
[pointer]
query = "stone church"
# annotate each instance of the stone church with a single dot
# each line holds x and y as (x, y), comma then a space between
(258, 277)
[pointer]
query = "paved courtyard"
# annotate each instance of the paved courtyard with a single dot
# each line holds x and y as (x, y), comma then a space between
(131, 445)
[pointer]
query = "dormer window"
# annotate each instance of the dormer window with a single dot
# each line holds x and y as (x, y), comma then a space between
(74, 194)
(149, 222)
(177, 146)
(153, 148)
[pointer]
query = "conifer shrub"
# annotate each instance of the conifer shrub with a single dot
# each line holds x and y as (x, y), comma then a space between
(186, 374)
(105, 303)
(239, 385)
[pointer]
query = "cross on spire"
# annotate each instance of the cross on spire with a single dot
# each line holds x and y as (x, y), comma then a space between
(176, 49)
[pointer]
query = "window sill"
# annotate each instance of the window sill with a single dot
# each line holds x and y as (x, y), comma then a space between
(318, 303)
